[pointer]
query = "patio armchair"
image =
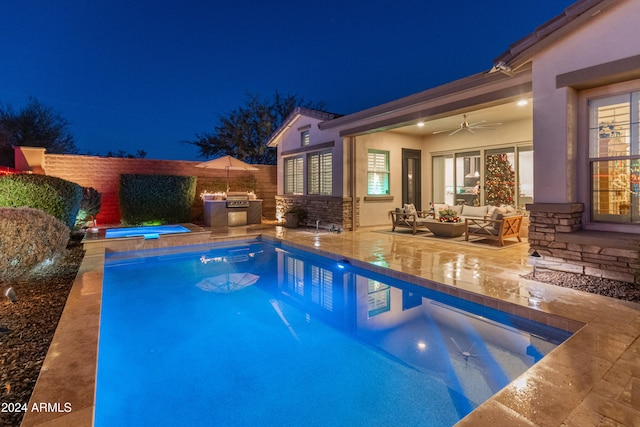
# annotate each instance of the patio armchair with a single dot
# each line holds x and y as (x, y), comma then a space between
(498, 228)
(400, 218)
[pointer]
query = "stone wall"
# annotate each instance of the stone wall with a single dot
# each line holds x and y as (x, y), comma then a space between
(555, 232)
(329, 210)
(103, 174)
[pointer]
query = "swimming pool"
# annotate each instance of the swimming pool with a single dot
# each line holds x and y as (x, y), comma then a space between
(256, 334)
(148, 232)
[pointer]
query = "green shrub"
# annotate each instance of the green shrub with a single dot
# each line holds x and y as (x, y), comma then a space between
(29, 238)
(156, 199)
(89, 206)
(55, 196)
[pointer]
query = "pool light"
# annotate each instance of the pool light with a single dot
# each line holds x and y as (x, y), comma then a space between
(342, 264)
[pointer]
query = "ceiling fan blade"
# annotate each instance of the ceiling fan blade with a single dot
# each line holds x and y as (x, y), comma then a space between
(477, 123)
(488, 124)
(443, 131)
(470, 130)
(455, 131)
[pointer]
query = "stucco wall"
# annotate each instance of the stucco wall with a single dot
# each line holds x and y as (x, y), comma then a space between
(610, 36)
(103, 174)
(291, 142)
(372, 211)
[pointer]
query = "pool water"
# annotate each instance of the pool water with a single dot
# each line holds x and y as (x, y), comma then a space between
(148, 232)
(257, 334)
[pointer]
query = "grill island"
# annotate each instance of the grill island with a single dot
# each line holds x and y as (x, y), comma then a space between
(236, 210)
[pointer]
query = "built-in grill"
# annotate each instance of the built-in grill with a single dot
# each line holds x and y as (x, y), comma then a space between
(236, 210)
(237, 200)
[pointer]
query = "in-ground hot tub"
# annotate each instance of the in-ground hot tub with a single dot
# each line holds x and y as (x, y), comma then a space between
(148, 232)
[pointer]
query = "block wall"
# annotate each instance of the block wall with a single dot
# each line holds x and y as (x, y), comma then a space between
(103, 174)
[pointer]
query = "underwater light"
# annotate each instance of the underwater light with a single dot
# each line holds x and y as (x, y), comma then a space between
(343, 263)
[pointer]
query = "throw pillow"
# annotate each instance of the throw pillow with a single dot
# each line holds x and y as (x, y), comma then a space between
(437, 207)
(474, 211)
(410, 209)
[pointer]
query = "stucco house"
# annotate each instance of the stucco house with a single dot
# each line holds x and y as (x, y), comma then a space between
(558, 114)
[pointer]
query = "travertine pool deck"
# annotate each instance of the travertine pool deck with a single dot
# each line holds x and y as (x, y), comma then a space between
(593, 379)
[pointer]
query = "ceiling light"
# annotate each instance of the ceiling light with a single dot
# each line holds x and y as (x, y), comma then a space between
(420, 124)
(522, 102)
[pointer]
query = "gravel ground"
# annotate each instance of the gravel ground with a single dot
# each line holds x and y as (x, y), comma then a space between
(26, 330)
(595, 285)
(27, 326)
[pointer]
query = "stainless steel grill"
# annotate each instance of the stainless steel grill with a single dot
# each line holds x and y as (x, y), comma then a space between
(237, 200)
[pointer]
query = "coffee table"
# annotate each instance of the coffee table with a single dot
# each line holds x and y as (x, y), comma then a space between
(445, 229)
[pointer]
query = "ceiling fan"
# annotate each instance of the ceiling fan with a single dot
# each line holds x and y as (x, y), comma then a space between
(471, 127)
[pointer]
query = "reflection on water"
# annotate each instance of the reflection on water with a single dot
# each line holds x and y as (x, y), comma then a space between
(474, 350)
(287, 333)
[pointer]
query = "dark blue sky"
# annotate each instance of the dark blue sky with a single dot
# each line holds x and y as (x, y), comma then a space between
(146, 74)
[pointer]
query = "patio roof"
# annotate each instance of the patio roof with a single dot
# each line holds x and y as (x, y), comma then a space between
(480, 90)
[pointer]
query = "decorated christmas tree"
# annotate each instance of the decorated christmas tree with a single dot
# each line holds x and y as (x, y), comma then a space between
(499, 180)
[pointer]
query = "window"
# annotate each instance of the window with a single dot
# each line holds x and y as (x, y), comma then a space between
(379, 298)
(320, 172)
(378, 173)
(614, 158)
(304, 138)
(293, 175)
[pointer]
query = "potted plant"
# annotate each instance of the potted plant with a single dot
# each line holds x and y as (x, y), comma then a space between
(449, 215)
(294, 216)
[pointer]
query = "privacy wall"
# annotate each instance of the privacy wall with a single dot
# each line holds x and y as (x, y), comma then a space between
(103, 174)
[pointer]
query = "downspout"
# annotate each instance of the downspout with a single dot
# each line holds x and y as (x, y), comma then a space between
(352, 177)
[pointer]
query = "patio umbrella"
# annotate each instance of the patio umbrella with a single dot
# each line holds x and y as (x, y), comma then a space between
(227, 163)
(227, 283)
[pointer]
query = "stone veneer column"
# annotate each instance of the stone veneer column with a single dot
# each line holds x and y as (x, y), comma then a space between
(604, 254)
(547, 219)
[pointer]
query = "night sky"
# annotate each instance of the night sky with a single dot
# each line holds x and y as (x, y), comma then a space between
(146, 75)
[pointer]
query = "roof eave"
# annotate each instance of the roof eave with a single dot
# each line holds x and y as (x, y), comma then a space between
(522, 51)
(292, 117)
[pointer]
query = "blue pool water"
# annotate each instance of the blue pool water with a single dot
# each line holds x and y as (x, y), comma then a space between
(261, 335)
(148, 232)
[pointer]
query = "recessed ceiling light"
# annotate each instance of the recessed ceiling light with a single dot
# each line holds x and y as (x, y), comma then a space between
(522, 102)
(420, 124)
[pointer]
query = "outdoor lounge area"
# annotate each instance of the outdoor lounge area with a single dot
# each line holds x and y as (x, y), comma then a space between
(482, 222)
(586, 381)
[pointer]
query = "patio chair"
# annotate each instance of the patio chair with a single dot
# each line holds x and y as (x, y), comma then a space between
(400, 218)
(499, 228)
